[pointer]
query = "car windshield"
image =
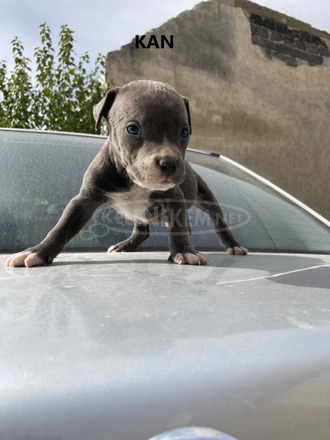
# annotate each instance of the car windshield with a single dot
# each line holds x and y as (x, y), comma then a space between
(41, 171)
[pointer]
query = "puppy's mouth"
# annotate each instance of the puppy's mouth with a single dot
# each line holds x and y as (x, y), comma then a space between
(159, 184)
(162, 185)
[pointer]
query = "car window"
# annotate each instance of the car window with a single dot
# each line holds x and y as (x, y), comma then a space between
(261, 218)
(40, 172)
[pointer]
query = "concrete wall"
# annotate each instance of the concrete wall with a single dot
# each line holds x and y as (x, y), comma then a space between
(259, 89)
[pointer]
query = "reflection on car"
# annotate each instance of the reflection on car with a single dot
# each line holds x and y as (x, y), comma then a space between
(40, 172)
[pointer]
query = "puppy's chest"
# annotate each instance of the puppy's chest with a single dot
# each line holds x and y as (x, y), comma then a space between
(133, 204)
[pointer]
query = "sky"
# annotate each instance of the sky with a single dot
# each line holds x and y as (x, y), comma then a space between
(102, 26)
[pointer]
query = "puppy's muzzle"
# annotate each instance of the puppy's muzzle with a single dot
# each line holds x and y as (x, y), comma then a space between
(167, 165)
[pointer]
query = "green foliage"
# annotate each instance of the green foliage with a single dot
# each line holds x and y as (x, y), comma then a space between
(61, 95)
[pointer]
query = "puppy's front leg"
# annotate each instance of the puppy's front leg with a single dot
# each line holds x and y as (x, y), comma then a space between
(181, 250)
(74, 217)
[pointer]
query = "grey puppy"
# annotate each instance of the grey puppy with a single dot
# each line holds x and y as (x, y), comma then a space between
(142, 172)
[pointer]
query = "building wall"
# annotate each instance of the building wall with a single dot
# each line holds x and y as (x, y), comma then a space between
(259, 89)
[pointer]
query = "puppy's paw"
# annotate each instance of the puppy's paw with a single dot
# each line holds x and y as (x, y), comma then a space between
(237, 250)
(124, 246)
(113, 248)
(189, 258)
(25, 258)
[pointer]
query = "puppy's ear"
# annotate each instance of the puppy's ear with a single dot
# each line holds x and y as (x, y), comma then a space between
(186, 103)
(104, 106)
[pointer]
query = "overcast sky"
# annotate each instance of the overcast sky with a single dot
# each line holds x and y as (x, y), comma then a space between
(105, 25)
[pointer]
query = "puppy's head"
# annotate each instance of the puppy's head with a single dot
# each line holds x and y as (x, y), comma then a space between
(149, 129)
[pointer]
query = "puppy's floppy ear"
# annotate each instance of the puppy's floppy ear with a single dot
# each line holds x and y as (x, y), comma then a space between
(103, 107)
(186, 103)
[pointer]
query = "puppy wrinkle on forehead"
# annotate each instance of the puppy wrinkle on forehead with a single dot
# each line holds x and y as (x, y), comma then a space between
(151, 101)
(131, 204)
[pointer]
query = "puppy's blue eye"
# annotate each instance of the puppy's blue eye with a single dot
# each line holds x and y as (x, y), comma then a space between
(184, 133)
(133, 129)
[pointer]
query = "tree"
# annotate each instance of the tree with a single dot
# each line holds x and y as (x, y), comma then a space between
(62, 93)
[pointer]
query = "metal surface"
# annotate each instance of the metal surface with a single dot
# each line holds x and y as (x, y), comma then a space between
(127, 346)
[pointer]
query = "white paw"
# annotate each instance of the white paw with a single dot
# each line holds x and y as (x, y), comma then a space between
(25, 258)
(112, 248)
(237, 250)
(189, 258)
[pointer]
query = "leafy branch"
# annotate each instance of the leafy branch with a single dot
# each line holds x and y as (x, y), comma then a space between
(61, 95)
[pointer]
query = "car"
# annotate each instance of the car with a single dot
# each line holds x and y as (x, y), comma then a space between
(129, 346)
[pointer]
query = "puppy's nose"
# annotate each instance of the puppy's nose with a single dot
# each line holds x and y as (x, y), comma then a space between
(167, 164)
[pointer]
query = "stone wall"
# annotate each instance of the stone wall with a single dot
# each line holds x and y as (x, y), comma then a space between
(259, 89)
(289, 45)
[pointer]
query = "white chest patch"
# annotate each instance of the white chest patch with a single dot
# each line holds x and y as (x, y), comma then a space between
(132, 204)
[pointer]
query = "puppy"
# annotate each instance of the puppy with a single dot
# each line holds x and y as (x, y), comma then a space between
(142, 172)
